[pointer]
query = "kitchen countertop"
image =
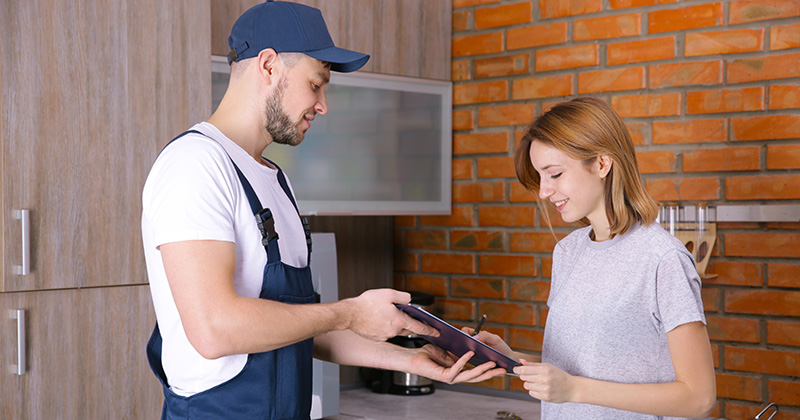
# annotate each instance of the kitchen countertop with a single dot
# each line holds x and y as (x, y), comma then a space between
(361, 403)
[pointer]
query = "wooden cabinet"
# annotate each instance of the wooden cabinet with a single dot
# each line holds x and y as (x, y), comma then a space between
(90, 90)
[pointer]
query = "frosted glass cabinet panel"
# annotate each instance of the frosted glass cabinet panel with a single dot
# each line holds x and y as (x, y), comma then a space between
(383, 148)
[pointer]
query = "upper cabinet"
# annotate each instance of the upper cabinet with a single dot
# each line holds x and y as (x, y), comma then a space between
(403, 37)
(91, 91)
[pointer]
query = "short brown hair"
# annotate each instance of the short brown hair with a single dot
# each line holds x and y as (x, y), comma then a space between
(585, 128)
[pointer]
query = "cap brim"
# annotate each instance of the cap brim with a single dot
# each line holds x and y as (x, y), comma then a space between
(343, 61)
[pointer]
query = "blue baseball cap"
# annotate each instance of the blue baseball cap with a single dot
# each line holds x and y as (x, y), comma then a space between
(289, 27)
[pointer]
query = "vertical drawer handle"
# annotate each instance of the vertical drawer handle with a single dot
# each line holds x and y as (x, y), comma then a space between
(19, 366)
(24, 218)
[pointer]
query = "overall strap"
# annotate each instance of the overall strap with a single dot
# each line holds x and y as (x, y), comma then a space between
(285, 186)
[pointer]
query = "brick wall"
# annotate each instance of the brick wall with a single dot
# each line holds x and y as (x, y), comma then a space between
(711, 93)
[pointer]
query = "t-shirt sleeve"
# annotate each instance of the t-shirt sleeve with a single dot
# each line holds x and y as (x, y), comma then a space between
(678, 291)
(189, 194)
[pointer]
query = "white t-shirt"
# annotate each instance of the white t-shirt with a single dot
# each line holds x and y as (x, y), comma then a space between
(611, 306)
(193, 193)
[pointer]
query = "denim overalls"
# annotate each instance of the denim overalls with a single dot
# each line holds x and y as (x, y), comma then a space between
(272, 385)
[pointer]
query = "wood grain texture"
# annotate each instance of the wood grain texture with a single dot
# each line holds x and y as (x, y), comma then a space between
(403, 37)
(85, 355)
(90, 98)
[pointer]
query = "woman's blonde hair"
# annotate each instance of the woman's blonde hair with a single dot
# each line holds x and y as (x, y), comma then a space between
(585, 128)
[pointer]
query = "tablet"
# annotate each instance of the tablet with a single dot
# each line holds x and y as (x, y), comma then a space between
(458, 342)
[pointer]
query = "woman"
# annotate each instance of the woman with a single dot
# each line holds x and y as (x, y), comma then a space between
(625, 336)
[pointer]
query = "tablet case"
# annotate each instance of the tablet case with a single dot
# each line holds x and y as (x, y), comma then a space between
(458, 342)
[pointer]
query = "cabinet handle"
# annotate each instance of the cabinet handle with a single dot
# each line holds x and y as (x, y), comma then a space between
(19, 315)
(24, 218)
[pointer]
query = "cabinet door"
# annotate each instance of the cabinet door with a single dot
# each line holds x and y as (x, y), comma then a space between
(85, 355)
(88, 99)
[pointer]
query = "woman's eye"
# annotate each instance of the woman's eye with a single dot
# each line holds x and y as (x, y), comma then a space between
(554, 176)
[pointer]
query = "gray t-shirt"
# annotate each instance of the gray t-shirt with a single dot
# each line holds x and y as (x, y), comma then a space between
(611, 306)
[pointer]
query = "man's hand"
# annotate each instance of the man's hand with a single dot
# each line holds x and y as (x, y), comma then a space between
(437, 364)
(374, 316)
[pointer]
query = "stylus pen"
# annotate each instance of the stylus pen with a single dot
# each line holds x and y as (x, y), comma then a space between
(480, 325)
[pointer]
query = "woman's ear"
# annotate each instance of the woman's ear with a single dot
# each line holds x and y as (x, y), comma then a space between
(604, 163)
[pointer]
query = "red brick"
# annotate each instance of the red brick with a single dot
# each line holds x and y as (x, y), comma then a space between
(506, 215)
(467, 3)
(770, 127)
(530, 290)
(497, 115)
(710, 299)
(762, 361)
(507, 265)
(784, 96)
(721, 160)
(755, 10)
(547, 267)
(763, 245)
(739, 410)
(496, 167)
(479, 287)
(455, 309)
(542, 87)
(652, 105)
(461, 20)
(462, 169)
(783, 156)
(692, 131)
(405, 221)
(783, 275)
(478, 192)
(460, 71)
(784, 37)
(774, 187)
(605, 27)
(735, 273)
(659, 161)
(567, 57)
(472, 93)
(725, 100)
(689, 17)
(684, 189)
(477, 240)
(638, 51)
(785, 333)
(427, 239)
(473, 143)
(763, 68)
(738, 387)
(639, 132)
(448, 263)
(508, 313)
(762, 302)
(463, 120)
(405, 261)
(784, 393)
(502, 66)
(433, 285)
(734, 329)
(624, 4)
(504, 15)
(683, 74)
(628, 78)
(460, 216)
(477, 44)
(536, 36)
(724, 42)
(526, 339)
(519, 194)
(533, 241)
(560, 8)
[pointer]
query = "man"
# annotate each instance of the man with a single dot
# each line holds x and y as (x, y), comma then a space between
(232, 291)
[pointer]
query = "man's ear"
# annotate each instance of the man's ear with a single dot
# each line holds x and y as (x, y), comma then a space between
(267, 62)
(604, 164)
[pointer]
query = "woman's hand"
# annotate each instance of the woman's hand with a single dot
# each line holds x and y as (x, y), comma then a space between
(494, 341)
(546, 382)
(437, 364)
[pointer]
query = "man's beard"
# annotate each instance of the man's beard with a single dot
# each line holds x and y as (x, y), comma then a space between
(279, 125)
